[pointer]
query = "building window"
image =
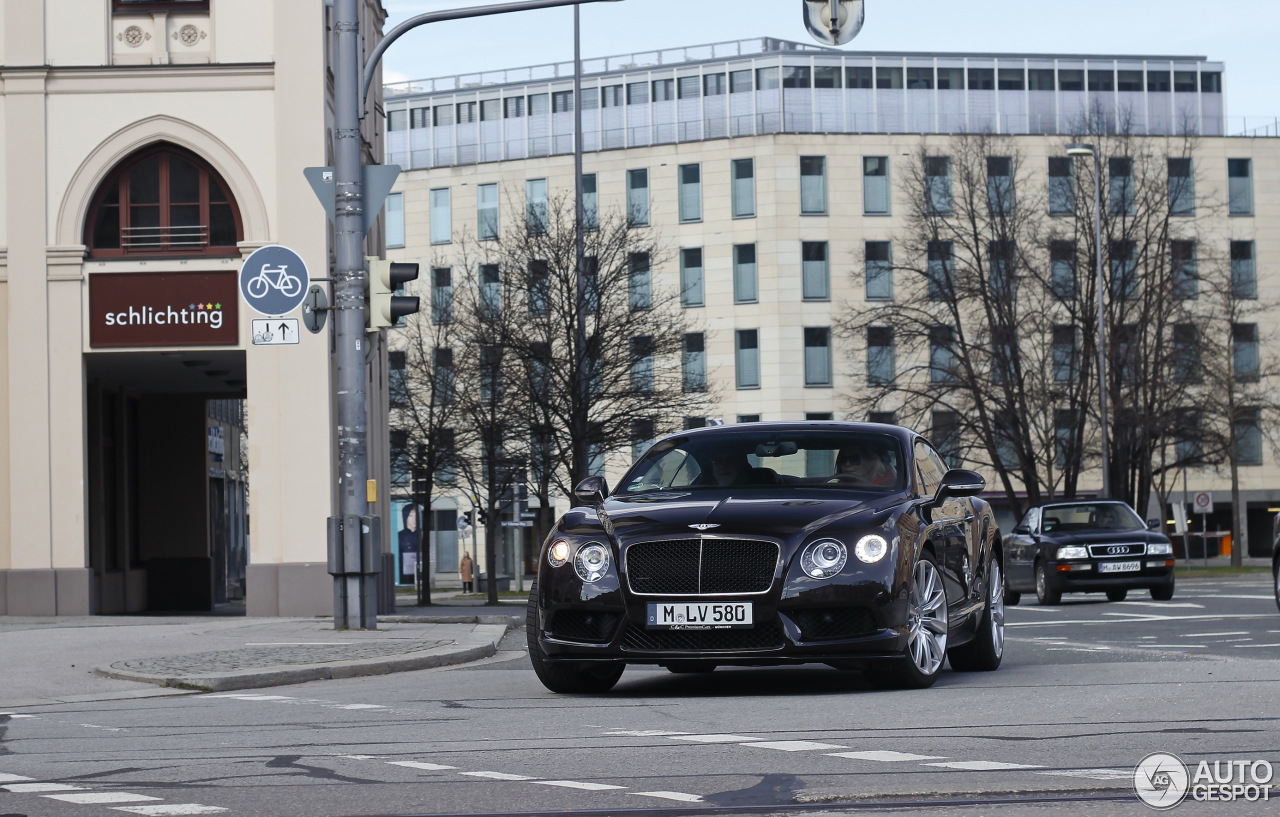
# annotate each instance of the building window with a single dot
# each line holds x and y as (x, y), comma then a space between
(148, 6)
(875, 185)
(638, 198)
(397, 120)
(441, 216)
(466, 112)
(826, 76)
(693, 362)
(889, 418)
(740, 82)
(813, 185)
(442, 377)
(881, 360)
(879, 271)
(490, 373)
(1003, 258)
(1065, 350)
(945, 436)
(639, 281)
(442, 116)
(748, 418)
(1062, 270)
(1240, 187)
(642, 364)
(1189, 447)
(743, 188)
(713, 84)
(795, 76)
(1120, 190)
(513, 107)
(817, 356)
(1062, 186)
(538, 104)
(1244, 277)
(744, 274)
(694, 422)
(637, 93)
(441, 295)
(487, 211)
(611, 96)
(1182, 187)
(1064, 434)
(539, 295)
(937, 177)
(938, 282)
(691, 277)
(920, 79)
(1248, 434)
(942, 356)
(490, 110)
(590, 203)
(888, 78)
(747, 358)
(395, 220)
(490, 290)
(999, 185)
(1125, 282)
(162, 201)
(1184, 273)
(562, 102)
(418, 118)
(688, 88)
(690, 192)
(815, 275)
(642, 434)
(858, 76)
(535, 206)
(664, 90)
(1245, 360)
(767, 79)
(1184, 354)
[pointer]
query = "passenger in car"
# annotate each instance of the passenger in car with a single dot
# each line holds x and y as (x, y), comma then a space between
(733, 468)
(865, 465)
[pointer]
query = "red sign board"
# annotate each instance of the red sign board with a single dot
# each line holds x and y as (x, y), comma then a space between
(163, 309)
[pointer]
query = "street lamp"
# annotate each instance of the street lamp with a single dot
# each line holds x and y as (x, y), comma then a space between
(1101, 328)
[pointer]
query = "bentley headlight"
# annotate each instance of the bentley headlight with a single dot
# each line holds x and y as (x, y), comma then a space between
(824, 558)
(1073, 552)
(592, 562)
(558, 553)
(871, 548)
(1159, 548)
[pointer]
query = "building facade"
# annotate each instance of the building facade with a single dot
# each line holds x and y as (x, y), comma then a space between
(775, 172)
(151, 455)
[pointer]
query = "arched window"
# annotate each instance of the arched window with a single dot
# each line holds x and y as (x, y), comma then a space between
(162, 200)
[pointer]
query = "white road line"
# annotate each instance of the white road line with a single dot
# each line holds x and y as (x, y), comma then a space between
(1094, 774)
(1139, 618)
(171, 810)
(12, 778)
(669, 795)
(574, 784)
(1179, 646)
(645, 733)
(296, 643)
(1162, 604)
(886, 756)
(984, 765)
(414, 764)
(1206, 635)
(1255, 598)
(15, 716)
(362, 757)
(715, 738)
(358, 706)
(254, 697)
(22, 788)
(794, 745)
(1249, 646)
(499, 775)
(92, 797)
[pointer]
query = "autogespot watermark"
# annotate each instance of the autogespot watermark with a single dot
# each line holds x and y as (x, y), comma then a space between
(1162, 780)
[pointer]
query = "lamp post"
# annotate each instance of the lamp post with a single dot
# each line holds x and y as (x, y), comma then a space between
(1100, 332)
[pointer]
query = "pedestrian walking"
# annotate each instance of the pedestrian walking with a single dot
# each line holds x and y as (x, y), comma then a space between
(464, 571)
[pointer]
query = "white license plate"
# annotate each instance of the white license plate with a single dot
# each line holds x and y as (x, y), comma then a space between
(718, 615)
(1118, 567)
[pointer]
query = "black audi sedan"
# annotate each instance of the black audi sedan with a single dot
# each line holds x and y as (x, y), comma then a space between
(847, 544)
(1082, 547)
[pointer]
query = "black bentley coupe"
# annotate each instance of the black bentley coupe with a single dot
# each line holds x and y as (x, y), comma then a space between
(847, 544)
(1092, 546)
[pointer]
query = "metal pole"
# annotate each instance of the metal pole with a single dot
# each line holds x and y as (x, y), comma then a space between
(1102, 326)
(354, 590)
(579, 458)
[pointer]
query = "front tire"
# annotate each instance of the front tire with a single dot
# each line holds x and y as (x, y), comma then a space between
(1165, 591)
(1011, 598)
(985, 651)
(565, 676)
(1046, 592)
(1117, 595)
(927, 625)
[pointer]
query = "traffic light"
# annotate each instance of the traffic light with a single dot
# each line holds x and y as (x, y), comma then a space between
(385, 307)
(482, 515)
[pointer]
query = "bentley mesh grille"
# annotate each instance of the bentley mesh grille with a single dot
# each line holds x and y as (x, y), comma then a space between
(685, 567)
(766, 636)
(834, 622)
(584, 625)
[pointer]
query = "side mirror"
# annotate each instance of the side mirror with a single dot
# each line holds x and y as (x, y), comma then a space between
(1153, 524)
(1022, 529)
(591, 491)
(959, 482)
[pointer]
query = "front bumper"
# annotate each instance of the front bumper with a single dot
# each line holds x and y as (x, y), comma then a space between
(1083, 576)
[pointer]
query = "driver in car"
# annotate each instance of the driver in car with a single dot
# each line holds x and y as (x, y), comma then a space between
(861, 463)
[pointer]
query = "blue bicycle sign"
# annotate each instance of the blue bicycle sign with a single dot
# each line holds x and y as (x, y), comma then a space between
(273, 280)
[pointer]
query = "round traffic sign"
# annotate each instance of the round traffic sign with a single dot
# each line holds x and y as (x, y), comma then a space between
(1202, 502)
(273, 280)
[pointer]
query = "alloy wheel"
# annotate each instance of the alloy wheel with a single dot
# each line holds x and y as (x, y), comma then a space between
(927, 619)
(997, 608)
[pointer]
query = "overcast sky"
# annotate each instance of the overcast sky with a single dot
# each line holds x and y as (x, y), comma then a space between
(1240, 33)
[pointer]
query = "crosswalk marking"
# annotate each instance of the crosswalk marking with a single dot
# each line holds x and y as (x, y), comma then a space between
(794, 745)
(499, 775)
(171, 809)
(715, 738)
(984, 765)
(574, 784)
(886, 756)
(12, 778)
(20, 788)
(415, 764)
(669, 795)
(98, 797)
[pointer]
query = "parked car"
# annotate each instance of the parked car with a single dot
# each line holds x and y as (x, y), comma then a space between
(1082, 547)
(847, 544)
(1275, 558)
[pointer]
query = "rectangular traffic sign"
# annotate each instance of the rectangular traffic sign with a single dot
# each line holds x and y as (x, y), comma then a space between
(521, 524)
(275, 331)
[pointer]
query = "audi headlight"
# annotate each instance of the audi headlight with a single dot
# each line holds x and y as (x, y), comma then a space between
(871, 548)
(1073, 552)
(1159, 548)
(592, 562)
(558, 553)
(824, 558)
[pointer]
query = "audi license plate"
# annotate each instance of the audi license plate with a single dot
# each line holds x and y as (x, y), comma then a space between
(1118, 567)
(717, 615)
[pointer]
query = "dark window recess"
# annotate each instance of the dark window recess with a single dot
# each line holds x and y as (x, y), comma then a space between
(148, 6)
(165, 201)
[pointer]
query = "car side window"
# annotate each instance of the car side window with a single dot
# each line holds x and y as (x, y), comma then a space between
(929, 468)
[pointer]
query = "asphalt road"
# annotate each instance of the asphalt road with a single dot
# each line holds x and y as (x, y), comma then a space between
(1087, 690)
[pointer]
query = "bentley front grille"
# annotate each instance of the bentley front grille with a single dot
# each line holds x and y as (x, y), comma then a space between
(692, 567)
(764, 637)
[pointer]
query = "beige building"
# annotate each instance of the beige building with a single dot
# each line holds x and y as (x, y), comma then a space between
(771, 170)
(152, 456)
